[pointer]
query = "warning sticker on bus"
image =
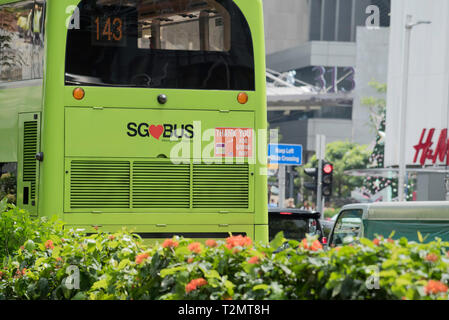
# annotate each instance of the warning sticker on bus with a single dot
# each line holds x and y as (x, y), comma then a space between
(234, 142)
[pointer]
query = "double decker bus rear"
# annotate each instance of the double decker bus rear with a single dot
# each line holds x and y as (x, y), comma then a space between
(154, 115)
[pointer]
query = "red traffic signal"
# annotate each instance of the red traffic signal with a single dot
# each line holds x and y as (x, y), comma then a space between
(326, 179)
(328, 168)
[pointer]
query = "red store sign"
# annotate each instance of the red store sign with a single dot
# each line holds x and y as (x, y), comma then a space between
(424, 150)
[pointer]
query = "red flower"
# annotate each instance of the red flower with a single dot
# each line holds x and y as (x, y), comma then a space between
(194, 284)
(141, 257)
(49, 244)
(195, 247)
(211, 243)
(390, 240)
(169, 243)
(111, 237)
(190, 260)
(305, 244)
(434, 287)
(254, 260)
(1, 274)
(190, 287)
(22, 248)
(432, 257)
(316, 245)
(238, 241)
(376, 241)
(20, 273)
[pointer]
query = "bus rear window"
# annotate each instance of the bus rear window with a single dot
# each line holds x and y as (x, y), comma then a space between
(175, 44)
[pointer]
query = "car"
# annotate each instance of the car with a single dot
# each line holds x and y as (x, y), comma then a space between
(328, 223)
(415, 221)
(295, 223)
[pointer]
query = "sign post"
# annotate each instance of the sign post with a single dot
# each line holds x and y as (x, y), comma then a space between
(284, 155)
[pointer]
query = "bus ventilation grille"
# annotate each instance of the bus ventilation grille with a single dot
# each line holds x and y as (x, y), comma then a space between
(100, 184)
(29, 154)
(153, 185)
(220, 186)
(161, 185)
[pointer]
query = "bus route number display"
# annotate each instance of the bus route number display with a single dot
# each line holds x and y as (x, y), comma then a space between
(108, 31)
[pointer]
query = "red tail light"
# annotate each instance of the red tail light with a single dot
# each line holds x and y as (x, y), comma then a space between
(286, 213)
(324, 240)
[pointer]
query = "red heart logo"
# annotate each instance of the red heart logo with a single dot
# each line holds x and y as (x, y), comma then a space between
(156, 131)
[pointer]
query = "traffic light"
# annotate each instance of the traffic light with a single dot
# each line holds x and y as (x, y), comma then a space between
(327, 179)
(311, 172)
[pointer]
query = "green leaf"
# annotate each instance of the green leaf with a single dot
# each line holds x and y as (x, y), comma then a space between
(211, 274)
(123, 264)
(30, 245)
(170, 271)
(420, 238)
(182, 251)
(403, 282)
(101, 284)
(39, 261)
(80, 296)
(367, 242)
(388, 273)
(261, 287)
(278, 240)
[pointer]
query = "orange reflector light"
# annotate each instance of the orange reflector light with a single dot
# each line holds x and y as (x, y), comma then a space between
(78, 93)
(242, 98)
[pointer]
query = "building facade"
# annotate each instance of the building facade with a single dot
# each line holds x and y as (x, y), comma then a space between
(328, 47)
(427, 94)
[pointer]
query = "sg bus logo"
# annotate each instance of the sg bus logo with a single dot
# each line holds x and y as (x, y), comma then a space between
(146, 130)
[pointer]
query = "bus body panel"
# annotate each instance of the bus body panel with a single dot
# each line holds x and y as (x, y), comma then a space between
(61, 145)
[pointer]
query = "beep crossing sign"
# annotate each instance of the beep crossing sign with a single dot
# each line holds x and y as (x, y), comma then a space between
(288, 154)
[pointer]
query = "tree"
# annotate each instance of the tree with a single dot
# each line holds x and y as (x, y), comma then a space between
(378, 114)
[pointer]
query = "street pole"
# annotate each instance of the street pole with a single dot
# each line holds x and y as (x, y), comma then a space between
(446, 182)
(281, 185)
(320, 152)
(403, 119)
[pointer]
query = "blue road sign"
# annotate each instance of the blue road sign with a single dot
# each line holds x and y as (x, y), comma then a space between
(289, 154)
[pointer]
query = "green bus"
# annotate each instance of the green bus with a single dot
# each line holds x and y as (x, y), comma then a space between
(144, 114)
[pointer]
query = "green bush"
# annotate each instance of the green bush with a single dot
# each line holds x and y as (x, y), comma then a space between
(8, 187)
(118, 266)
(17, 226)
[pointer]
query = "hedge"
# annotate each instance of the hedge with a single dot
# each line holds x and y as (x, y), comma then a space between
(120, 266)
